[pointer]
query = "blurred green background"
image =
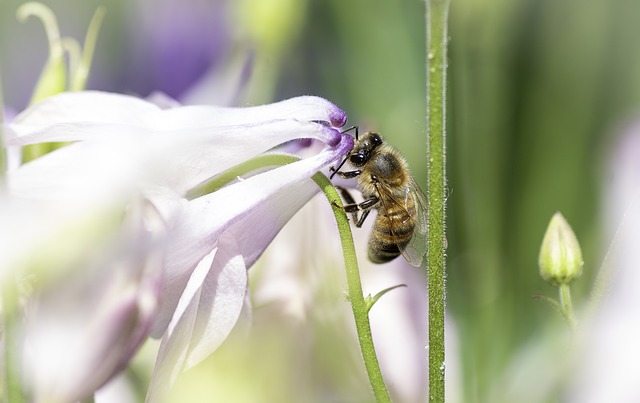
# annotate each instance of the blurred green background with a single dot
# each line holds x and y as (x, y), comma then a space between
(537, 89)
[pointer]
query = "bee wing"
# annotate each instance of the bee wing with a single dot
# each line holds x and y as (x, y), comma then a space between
(416, 250)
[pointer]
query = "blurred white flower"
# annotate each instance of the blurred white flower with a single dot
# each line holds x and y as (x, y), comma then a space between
(610, 354)
(128, 149)
(299, 284)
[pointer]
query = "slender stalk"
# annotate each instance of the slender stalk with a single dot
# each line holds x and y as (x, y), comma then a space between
(437, 13)
(358, 303)
(567, 306)
(81, 72)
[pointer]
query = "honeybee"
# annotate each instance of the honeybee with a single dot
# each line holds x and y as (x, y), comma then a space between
(386, 184)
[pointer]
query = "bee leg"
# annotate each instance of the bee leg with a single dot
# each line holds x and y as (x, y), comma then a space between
(365, 207)
(362, 218)
(347, 174)
(349, 200)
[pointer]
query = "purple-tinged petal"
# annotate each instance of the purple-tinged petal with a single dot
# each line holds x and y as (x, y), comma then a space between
(88, 108)
(177, 148)
(303, 108)
(150, 161)
(259, 206)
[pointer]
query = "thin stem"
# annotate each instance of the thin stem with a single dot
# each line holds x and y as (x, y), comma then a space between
(48, 19)
(358, 303)
(437, 13)
(224, 178)
(81, 72)
(567, 306)
(53, 78)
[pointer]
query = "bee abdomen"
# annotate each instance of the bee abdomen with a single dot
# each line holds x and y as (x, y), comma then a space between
(383, 253)
(387, 240)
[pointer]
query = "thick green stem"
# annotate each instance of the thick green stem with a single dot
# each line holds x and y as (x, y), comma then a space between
(358, 303)
(437, 13)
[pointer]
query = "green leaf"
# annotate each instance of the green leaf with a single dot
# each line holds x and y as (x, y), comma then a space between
(372, 300)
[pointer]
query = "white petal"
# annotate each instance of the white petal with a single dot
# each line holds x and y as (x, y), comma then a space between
(71, 116)
(206, 313)
(306, 108)
(259, 205)
(84, 106)
(86, 326)
(609, 359)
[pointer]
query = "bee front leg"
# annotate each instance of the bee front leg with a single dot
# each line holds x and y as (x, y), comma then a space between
(347, 174)
(349, 201)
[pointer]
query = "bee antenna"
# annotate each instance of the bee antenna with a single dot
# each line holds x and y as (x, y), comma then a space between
(335, 171)
(354, 128)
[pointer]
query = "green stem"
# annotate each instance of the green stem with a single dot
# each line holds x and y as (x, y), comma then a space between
(358, 303)
(567, 306)
(224, 178)
(437, 13)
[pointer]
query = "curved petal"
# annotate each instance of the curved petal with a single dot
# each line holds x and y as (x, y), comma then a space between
(206, 313)
(82, 106)
(259, 205)
(176, 161)
(304, 108)
(83, 110)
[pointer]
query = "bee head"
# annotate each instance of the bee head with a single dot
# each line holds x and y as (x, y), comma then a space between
(363, 149)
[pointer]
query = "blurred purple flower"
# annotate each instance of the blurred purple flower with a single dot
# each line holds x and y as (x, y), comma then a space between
(174, 44)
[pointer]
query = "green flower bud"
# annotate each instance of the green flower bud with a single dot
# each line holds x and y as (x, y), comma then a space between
(560, 258)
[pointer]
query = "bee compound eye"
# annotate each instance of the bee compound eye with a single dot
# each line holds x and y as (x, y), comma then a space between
(357, 159)
(376, 140)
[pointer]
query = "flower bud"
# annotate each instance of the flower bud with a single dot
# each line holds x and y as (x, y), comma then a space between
(560, 258)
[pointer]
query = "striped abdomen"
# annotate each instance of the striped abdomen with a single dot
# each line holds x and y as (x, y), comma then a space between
(392, 230)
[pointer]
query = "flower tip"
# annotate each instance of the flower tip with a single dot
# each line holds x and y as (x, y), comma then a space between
(334, 137)
(338, 117)
(346, 143)
(304, 143)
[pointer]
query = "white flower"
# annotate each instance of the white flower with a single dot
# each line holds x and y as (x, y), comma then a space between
(126, 149)
(610, 356)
